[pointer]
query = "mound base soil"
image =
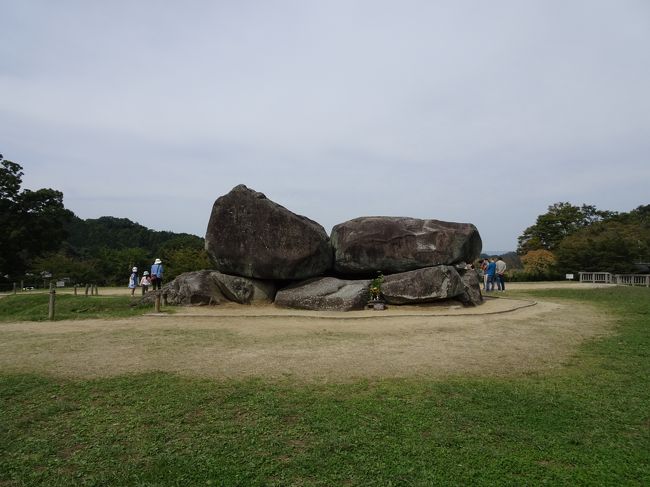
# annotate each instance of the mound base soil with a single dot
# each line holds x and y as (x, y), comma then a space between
(503, 337)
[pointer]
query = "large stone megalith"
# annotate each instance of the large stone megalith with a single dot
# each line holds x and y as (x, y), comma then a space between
(250, 235)
(423, 285)
(325, 293)
(365, 245)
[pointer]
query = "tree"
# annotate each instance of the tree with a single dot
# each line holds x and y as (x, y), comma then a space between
(538, 262)
(185, 260)
(614, 245)
(60, 266)
(31, 222)
(561, 220)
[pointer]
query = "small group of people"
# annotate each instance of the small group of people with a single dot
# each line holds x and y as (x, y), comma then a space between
(153, 279)
(493, 271)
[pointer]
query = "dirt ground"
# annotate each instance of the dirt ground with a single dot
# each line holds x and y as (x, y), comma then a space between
(503, 337)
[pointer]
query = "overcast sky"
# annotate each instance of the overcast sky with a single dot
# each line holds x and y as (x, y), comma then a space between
(472, 111)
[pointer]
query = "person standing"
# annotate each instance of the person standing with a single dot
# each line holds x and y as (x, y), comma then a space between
(133, 280)
(145, 282)
(157, 274)
(490, 272)
(500, 274)
(482, 272)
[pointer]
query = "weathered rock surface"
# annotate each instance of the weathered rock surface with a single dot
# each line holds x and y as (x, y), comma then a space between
(250, 235)
(366, 245)
(212, 287)
(472, 282)
(326, 293)
(422, 285)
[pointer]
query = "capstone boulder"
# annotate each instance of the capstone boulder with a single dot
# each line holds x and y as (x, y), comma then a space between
(250, 235)
(365, 245)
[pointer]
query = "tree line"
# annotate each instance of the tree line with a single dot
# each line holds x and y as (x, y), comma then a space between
(41, 240)
(570, 239)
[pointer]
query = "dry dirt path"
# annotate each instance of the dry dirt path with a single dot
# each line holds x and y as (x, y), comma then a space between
(501, 338)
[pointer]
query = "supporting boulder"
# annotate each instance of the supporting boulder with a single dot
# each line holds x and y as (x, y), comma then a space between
(472, 295)
(250, 235)
(325, 293)
(212, 287)
(365, 245)
(422, 285)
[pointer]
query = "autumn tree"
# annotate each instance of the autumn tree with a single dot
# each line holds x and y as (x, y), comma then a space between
(539, 262)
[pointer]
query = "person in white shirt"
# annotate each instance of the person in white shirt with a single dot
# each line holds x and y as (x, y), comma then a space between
(500, 278)
(145, 282)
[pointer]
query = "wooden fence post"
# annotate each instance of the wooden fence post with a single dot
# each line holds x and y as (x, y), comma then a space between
(158, 301)
(15, 288)
(50, 309)
(75, 289)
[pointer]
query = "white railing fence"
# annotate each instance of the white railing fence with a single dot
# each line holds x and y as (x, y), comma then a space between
(620, 279)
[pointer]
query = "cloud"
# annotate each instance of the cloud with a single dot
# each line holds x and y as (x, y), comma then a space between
(471, 111)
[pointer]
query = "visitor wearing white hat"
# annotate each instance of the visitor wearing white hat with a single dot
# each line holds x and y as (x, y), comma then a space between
(133, 280)
(157, 274)
(145, 282)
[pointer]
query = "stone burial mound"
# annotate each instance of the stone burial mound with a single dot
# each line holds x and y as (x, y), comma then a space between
(262, 252)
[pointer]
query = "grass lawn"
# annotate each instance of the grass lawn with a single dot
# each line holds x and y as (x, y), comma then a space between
(34, 307)
(588, 424)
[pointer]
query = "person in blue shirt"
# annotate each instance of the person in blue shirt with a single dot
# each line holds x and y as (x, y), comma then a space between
(156, 274)
(491, 273)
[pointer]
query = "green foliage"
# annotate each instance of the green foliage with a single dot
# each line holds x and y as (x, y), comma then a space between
(375, 286)
(114, 245)
(185, 260)
(60, 266)
(34, 307)
(586, 239)
(31, 222)
(584, 424)
(613, 245)
(520, 275)
(561, 220)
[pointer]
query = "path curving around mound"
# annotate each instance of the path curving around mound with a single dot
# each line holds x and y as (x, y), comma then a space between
(504, 337)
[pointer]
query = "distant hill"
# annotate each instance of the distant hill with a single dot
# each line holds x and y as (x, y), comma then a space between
(511, 258)
(86, 237)
(489, 253)
(104, 250)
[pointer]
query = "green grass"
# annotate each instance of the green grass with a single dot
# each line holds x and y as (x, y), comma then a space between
(34, 307)
(588, 424)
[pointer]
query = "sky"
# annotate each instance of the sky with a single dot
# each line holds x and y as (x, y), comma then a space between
(484, 112)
